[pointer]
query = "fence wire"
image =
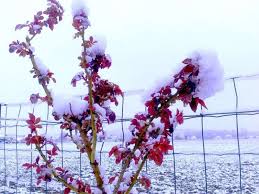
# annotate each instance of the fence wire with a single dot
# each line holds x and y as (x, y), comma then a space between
(18, 123)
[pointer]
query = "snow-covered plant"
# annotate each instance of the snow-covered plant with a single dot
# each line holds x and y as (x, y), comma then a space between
(199, 76)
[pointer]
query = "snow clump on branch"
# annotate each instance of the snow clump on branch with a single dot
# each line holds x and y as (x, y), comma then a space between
(78, 7)
(63, 105)
(210, 79)
(41, 67)
(80, 15)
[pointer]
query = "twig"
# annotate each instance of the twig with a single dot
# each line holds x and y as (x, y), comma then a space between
(93, 163)
(54, 173)
(128, 159)
(36, 68)
(137, 174)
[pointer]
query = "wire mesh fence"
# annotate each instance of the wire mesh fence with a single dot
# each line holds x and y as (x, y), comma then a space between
(201, 162)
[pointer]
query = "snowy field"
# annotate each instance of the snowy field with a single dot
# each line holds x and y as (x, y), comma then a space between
(222, 170)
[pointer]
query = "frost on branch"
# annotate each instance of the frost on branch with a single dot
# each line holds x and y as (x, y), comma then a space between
(80, 15)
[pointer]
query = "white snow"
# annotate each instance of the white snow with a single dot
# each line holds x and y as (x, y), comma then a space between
(99, 47)
(96, 190)
(100, 110)
(108, 188)
(32, 49)
(78, 76)
(211, 74)
(62, 104)
(127, 176)
(78, 7)
(41, 67)
(158, 124)
(210, 79)
(159, 83)
(137, 153)
(36, 27)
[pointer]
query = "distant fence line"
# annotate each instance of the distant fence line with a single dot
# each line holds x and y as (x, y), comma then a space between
(20, 122)
(186, 117)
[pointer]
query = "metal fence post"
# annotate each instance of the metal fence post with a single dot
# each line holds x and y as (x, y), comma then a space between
(33, 109)
(46, 131)
(5, 165)
(174, 163)
(204, 153)
(237, 135)
(122, 120)
(0, 116)
(16, 148)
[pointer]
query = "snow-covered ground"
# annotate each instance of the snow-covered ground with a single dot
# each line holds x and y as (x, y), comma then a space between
(222, 170)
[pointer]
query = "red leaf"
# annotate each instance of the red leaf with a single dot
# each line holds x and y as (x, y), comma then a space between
(145, 182)
(27, 166)
(193, 105)
(53, 151)
(111, 179)
(32, 117)
(38, 181)
(187, 61)
(195, 102)
(29, 122)
(60, 169)
(188, 68)
(179, 117)
(38, 126)
(37, 120)
(38, 170)
(114, 149)
(67, 191)
(156, 156)
(202, 103)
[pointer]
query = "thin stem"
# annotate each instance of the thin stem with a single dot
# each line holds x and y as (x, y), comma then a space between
(50, 101)
(91, 102)
(54, 173)
(35, 67)
(94, 130)
(91, 150)
(74, 141)
(137, 174)
(128, 159)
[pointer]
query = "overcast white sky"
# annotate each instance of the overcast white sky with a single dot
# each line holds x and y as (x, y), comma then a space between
(146, 39)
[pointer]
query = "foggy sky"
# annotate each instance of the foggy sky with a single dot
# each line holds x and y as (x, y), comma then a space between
(146, 39)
